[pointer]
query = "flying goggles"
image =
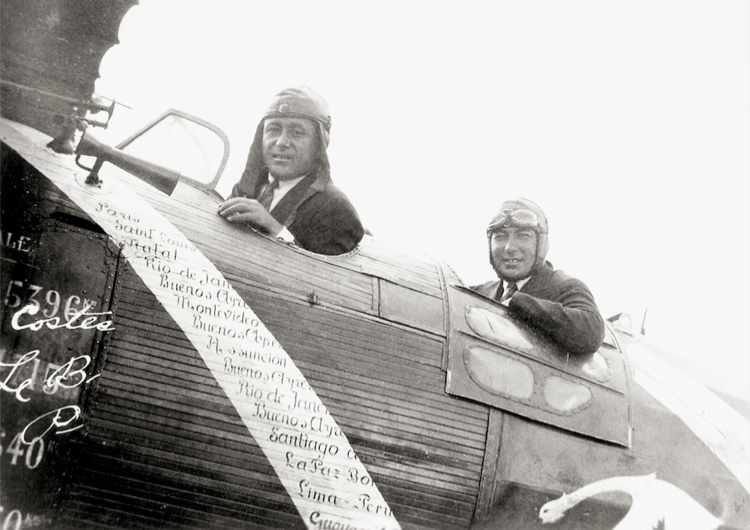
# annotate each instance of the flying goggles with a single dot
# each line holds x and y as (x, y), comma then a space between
(519, 218)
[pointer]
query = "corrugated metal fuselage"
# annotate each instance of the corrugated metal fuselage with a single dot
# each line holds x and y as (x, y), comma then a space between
(117, 420)
(161, 446)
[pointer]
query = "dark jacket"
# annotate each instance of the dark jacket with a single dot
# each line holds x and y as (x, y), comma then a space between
(557, 304)
(318, 214)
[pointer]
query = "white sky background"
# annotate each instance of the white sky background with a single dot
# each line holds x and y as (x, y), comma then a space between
(628, 122)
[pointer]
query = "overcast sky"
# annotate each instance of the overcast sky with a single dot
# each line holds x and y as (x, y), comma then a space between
(628, 122)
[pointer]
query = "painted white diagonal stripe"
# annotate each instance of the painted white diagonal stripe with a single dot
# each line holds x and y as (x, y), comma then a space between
(312, 457)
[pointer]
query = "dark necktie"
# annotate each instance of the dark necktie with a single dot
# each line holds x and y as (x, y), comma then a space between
(509, 291)
(266, 194)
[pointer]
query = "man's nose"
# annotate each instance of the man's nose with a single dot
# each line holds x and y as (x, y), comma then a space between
(511, 244)
(283, 139)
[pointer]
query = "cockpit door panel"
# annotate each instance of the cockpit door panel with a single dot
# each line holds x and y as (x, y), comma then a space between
(498, 360)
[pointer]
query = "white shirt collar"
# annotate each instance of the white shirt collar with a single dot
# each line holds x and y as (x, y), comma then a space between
(519, 283)
(284, 187)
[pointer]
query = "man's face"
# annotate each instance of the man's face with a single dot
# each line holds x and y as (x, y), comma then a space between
(513, 252)
(289, 147)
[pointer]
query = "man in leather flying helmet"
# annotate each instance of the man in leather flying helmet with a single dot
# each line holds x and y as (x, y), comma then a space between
(559, 305)
(286, 189)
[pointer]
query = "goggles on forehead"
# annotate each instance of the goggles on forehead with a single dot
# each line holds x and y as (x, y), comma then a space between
(520, 218)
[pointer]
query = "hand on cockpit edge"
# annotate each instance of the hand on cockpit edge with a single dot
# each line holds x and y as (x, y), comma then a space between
(250, 211)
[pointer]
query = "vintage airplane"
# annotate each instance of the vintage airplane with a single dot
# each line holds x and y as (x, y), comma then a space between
(162, 368)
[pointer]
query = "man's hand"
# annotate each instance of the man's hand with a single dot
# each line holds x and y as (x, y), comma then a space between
(243, 210)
